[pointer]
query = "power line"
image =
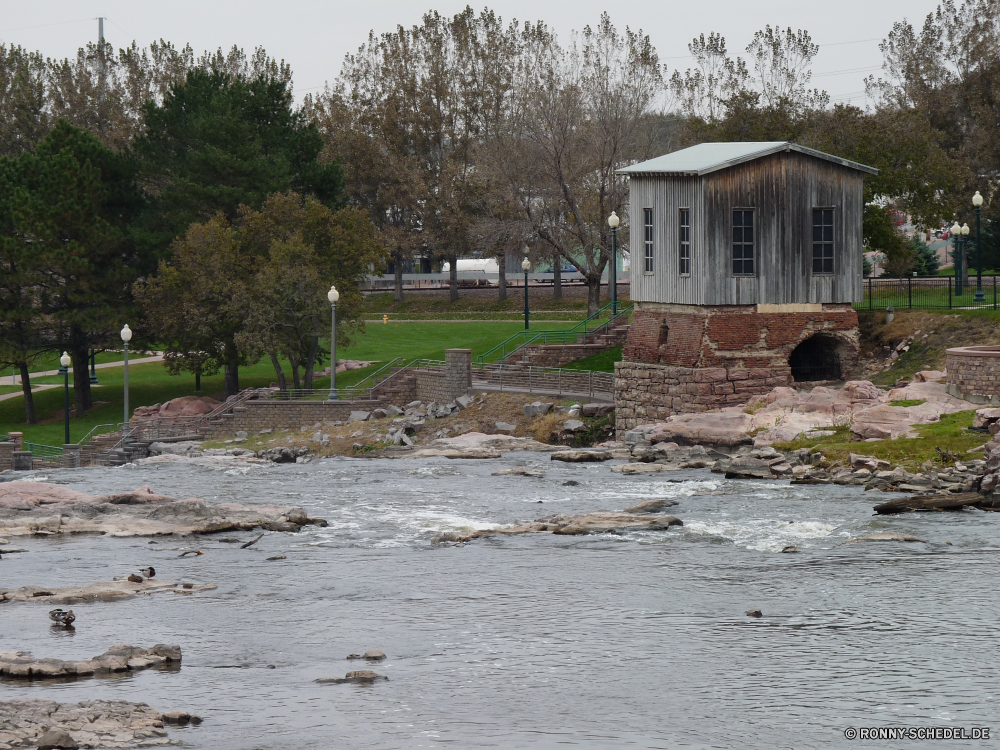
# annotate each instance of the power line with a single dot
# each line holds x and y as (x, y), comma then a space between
(45, 25)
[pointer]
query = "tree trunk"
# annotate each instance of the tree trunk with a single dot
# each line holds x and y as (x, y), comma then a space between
(29, 399)
(81, 377)
(557, 277)
(502, 280)
(296, 381)
(311, 362)
(593, 293)
(397, 267)
(231, 380)
(282, 383)
(453, 278)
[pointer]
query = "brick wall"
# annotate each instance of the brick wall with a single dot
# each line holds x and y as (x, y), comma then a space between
(6, 456)
(646, 392)
(974, 373)
(734, 336)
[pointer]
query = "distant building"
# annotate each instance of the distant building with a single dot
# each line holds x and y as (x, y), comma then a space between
(746, 259)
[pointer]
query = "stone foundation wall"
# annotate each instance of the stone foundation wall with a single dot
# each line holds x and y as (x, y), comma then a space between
(740, 336)
(974, 373)
(647, 392)
(275, 414)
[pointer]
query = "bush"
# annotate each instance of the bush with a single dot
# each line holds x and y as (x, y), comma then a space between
(925, 260)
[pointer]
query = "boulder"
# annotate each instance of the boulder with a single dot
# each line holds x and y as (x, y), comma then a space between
(745, 467)
(581, 456)
(119, 658)
(985, 418)
(870, 463)
(188, 406)
(537, 409)
(374, 655)
(597, 410)
(644, 468)
(105, 591)
(651, 506)
(571, 425)
(358, 416)
(518, 471)
(939, 502)
(930, 376)
(505, 427)
(57, 739)
(463, 402)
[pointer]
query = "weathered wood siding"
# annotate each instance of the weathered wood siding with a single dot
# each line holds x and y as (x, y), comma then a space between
(782, 189)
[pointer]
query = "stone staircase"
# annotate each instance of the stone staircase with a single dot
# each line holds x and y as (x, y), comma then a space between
(557, 355)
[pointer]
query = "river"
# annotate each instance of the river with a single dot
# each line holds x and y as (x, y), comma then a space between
(637, 640)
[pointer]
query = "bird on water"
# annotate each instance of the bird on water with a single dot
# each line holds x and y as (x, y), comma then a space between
(62, 617)
(148, 572)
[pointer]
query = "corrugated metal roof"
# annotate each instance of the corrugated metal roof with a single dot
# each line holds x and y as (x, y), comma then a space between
(709, 157)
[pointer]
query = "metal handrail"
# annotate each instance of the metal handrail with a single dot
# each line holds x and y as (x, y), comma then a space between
(38, 450)
(90, 435)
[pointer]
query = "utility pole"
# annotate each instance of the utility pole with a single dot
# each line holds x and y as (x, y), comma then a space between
(101, 75)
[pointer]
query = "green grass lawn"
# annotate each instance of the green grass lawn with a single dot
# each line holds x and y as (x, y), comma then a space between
(951, 433)
(603, 362)
(151, 384)
(50, 361)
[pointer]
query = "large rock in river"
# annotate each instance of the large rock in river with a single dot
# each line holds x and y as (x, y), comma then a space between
(40, 508)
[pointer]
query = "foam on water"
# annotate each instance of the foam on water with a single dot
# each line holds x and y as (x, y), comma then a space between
(764, 534)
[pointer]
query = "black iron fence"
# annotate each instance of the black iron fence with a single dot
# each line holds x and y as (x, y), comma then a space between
(928, 293)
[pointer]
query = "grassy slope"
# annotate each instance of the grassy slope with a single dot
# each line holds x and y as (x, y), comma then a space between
(932, 333)
(951, 433)
(603, 362)
(151, 384)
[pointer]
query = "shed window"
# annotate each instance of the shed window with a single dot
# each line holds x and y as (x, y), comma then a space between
(648, 238)
(743, 241)
(822, 240)
(685, 242)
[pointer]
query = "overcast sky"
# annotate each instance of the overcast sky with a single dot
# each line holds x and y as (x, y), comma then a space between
(314, 36)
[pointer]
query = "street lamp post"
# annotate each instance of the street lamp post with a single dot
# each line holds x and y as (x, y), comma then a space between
(65, 361)
(526, 265)
(956, 232)
(977, 201)
(965, 252)
(613, 222)
(126, 334)
(93, 367)
(333, 295)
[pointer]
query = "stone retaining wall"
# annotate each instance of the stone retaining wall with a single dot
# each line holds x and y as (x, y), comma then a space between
(974, 373)
(557, 355)
(646, 392)
(255, 416)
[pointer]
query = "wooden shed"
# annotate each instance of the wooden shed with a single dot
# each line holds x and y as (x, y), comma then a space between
(746, 223)
(746, 259)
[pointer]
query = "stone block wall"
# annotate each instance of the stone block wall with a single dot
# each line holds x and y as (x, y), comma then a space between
(6, 456)
(646, 392)
(974, 373)
(255, 416)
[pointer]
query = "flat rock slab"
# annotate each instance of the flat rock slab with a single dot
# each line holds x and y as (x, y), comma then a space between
(361, 676)
(38, 508)
(445, 453)
(519, 471)
(105, 724)
(106, 591)
(119, 658)
(887, 536)
(589, 456)
(644, 468)
(599, 522)
(938, 502)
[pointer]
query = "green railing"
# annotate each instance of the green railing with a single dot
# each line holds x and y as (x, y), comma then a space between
(577, 334)
(43, 451)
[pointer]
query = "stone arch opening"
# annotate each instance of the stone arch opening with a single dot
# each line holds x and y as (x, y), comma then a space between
(817, 358)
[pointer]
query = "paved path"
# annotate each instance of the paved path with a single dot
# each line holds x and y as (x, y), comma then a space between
(50, 373)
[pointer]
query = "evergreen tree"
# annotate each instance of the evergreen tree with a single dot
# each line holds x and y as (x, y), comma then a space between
(926, 261)
(220, 141)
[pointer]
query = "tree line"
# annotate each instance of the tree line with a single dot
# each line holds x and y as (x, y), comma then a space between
(192, 190)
